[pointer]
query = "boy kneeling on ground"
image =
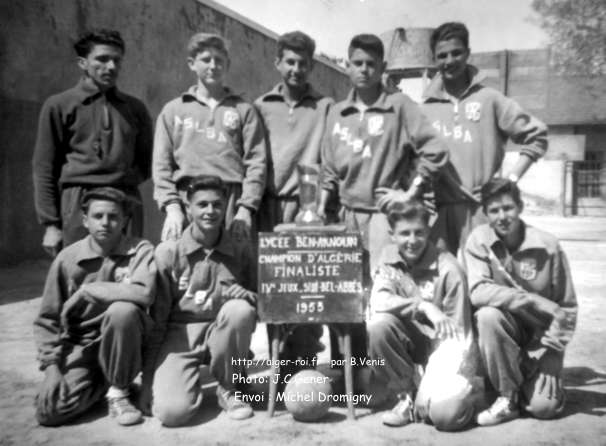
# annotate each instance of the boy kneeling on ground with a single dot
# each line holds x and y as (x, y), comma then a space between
(419, 300)
(520, 282)
(92, 321)
(204, 312)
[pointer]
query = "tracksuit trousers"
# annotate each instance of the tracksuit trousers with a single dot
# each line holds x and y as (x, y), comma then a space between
(114, 358)
(177, 389)
(513, 370)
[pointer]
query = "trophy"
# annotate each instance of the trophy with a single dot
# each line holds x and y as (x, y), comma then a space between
(309, 195)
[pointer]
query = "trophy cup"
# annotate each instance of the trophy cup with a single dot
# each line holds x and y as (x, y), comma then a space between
(309, 195)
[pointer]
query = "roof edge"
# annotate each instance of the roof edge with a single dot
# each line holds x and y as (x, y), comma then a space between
(258, 27)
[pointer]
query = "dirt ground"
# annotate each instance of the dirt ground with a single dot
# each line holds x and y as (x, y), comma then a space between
(583, 422)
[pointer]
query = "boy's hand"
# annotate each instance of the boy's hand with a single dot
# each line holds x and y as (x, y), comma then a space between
(547, 369)
(321, 212)
(52, 240)
(53, 387)
(173, 223)
(386, 197)
(444, 326)
(242, 223)
(237, 291)
(71, 305)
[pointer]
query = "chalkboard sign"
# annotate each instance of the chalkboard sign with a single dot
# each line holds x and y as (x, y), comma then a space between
(310, 276)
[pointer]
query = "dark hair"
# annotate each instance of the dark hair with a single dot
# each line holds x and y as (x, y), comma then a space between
(90, 38)
(408, 210)
(201, 41)
(367, 42)
(497, 187)
(206, 182)
(447, 31)
(298, 42)
(105, 194)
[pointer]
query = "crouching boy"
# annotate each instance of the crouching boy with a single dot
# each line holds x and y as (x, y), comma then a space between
(92, 321)
(520, 282)
(419, 298)
(204, 312)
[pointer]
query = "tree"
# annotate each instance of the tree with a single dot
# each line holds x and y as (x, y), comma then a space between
(577, 30)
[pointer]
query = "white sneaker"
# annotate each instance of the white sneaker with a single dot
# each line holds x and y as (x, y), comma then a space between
(502, 410)
(402, 414)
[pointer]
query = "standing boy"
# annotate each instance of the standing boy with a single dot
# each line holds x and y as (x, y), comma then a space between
(520, 282)
(91, 324)
(204, 312)
(294, 114)
(370, 143)
(476, 122)
(416, 288)
(88, 136)
(372, 139)
(209, 130)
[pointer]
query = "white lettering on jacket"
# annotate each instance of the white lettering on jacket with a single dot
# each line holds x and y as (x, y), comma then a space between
(189, 123)
(356, 144)
(456, 132)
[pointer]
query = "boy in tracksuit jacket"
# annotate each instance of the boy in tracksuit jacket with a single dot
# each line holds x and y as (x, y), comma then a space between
(294, 114)
(209, 130)
(520, 282)
(372, 142)
(89, 136)
(476, 122)
(93, 316)
(419, 298)
(204, 312)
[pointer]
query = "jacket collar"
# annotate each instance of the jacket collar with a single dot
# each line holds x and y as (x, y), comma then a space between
(277, 93)
(383, 102)
(531, 239)
(191, 245)
(428, 261)
(435, 89)
(190, 95)
(87, 250)
(86, 90)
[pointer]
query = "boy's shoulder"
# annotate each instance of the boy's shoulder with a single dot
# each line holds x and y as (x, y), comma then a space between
(387, 100)
(166, 250)
(132, 245)
(137, 104)
(73, 253)
(275, 94)
(535, 237)
(175, 104)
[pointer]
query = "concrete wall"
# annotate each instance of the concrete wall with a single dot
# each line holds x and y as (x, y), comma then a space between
(36, 60)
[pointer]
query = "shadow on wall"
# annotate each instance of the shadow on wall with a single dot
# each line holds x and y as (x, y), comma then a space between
(154, 70)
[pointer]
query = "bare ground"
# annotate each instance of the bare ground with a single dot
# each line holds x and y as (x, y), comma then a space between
(584, 240)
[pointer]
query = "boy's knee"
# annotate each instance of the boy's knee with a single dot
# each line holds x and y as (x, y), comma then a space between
(376, 332)
(379, 327)
(174, 412)
(122, 314)
(488, 319)
(239, 313)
